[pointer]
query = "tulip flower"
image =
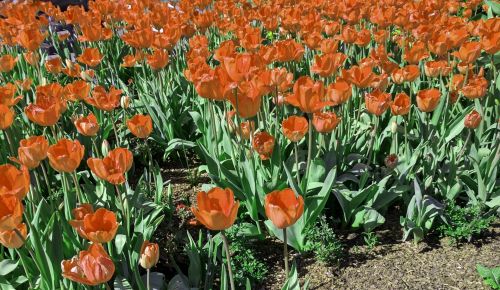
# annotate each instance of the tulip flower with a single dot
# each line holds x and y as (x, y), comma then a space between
(427, 100)
(11, 212)
(77, 90)
(284, 208)
(295, 128)
(339, 92)
(32, 151)
(65, 155)
(217, 210)
(91, 267)
(325, 122)
(113, 167)
(7, 93)
(468, 52)
(472, 120)
(6, 117)
(102, 100)
(7, 63)
(140, 126)
(14, 239)
(32, 58)
(45, 112)
(308, 96)
(377, 102)
(263, 144)
(14, 181)
(90, 56)
(53, 64)
(149, 256)
(158, 60)
(401, 104)
(359, 76)
(476, 87)
(87, 126)
(99, 226)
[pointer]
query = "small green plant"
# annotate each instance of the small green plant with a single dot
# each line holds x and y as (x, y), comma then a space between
(464, 222)
(323, 242)
(491, 276)
(371, 240)
(244, 259)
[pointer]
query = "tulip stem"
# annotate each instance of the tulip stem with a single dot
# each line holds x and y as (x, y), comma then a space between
(9, 141)
(124, 211)
(114, 128)
(459, 156)
(309, 147)
(285, 252)
(297, 162)
(147, 279)
(46, 178)
(228, 257)
(77, 187)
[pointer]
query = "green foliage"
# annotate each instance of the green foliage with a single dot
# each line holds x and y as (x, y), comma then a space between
(244, 259)
(371, 239)
(491, 276)
(322, 241)
(464, 222)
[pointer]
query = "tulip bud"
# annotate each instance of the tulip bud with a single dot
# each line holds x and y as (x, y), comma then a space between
(105, 147)
(391, 161)
(472, 120)
(149, 255)
(86, 76)
(125, 102)
(394, 127)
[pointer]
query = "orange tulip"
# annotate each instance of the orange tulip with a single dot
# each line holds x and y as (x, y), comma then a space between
(32, 150)
(32, 58)
(53, 64)
(468, 52)
(491, 42)
(427, 100)
(30, 38)
(129, 61)
(99, 226)
(289, 50)
(65, 155)
(24, 85)
(150, 254)
(216, 209)
(113, 167)
(405, 74)
(247, 97)
(339, 92)
(87, 126)
(308, 96)
(158, 60)
(92, 267)
(7, 63)
(7, 93)
(90, 56)
(401, 104)
(79, 214)
(211, 85)
(11, 212)
(14, 181)
(359, 76)
(11, 240)
(295, 128)
(45, 112)
(377, 102)
(77, 90)
(472, 120)
(140, 125)
(6, 117)
(263, 144)
(325, 122)
(416, 53)
(436, 68)
(327, 64)
(476, 87)
(281, 79)
(247, 129)
(283, 207)
(102, 100)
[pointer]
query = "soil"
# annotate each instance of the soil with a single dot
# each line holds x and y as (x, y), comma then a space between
(392, 264)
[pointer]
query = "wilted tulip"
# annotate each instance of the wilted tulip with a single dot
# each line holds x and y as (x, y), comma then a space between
(263, 144)
(113, 167)
(325, 122)
(283, 207)
(295, 128)
(150, 254)
(401, 104)
(140, 125)
(427, 100)
(87, 125)
(472, 120)
(11, 239)
(11, 212)
(91, 267)
(65, 155)
(216, 209)
(377, 102)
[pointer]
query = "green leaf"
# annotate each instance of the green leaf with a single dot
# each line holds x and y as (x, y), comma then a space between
(121, 283)
(7, 266)
(120, 241)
